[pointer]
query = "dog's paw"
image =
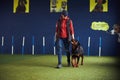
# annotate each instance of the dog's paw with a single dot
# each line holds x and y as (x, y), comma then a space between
(77, 65)
(82, 63)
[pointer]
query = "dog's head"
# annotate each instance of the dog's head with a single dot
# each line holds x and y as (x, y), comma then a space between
(74, 43)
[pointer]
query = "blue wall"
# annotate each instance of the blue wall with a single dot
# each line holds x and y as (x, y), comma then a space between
(40, 22)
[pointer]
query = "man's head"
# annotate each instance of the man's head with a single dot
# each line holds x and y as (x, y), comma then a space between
(64, 14)
(116, 29)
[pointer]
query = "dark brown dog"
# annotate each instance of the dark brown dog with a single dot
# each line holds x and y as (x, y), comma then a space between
(77, 52)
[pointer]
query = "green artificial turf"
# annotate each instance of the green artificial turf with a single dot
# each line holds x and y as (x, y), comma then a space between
(42, 67)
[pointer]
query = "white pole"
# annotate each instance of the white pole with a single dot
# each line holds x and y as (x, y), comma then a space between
(23, 43)
(99, 51)
(2, 41)
(54, 50)
(43, 41)
(88, 41)
(12, 49)
(88, 46)
(2, 44)
(100, 43)
(43, 44)
(33, 49)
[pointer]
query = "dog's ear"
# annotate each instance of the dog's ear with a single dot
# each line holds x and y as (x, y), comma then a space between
(76, 42)
(71, 42)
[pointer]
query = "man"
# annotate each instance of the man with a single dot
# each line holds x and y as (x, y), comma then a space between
(63, 35)
(116, 30)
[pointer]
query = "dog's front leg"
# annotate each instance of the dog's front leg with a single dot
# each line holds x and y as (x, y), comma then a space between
(74, 62)
(82, 59)
(78, 58)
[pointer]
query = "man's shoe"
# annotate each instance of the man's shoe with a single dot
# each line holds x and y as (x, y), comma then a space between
(69, 65)
(59, 65)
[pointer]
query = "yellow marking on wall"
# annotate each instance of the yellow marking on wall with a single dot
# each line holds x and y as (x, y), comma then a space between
(92, 5)
(15, 4)
(58, 4)
(99, 26)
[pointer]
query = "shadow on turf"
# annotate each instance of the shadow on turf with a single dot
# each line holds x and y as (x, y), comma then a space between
(52, 65)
